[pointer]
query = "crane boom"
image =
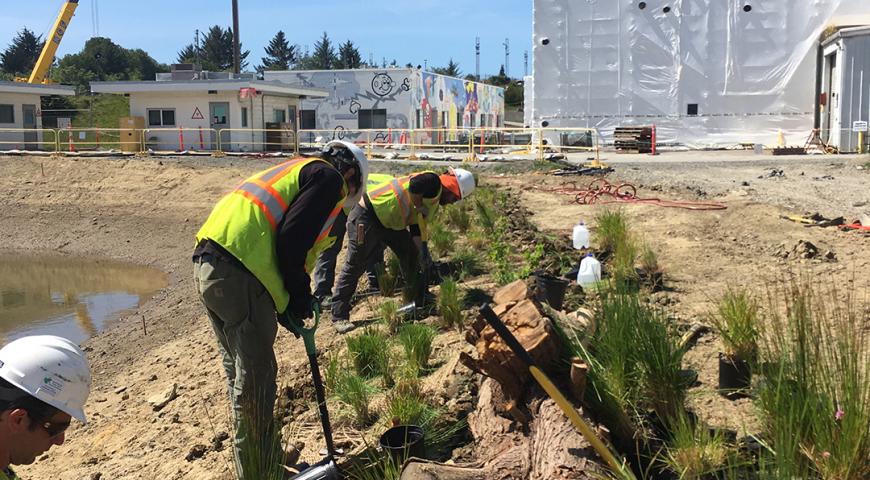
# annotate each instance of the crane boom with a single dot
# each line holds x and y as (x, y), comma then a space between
(52, 42)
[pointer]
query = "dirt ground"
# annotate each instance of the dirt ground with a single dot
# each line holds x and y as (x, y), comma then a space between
(147, 210)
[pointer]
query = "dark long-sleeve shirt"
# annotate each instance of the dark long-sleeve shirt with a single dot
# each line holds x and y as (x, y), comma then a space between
(319, 190)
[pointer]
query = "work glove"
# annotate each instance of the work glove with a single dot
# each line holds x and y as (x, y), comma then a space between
(290, 323)
(426, 262)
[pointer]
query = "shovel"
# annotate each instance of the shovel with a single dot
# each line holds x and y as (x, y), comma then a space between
(326, 469)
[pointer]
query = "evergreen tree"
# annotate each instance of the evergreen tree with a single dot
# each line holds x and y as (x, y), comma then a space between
(216, 51)
(21, 55)
(102, 60)
(451, 70)
(323, 57)
(280, 55)
(348, 56)
(500, 80)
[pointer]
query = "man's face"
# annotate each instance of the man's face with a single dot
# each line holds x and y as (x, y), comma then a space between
(34, 438)
(447, 197)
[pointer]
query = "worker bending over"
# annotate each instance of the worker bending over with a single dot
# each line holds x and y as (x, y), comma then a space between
(392, 212)
(251, 262)
(44, 383)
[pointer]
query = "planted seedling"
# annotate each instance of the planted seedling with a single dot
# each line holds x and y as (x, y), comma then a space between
(369, 352)
(417, 341)
(736, 319)
(449, 305)
(651, 268)
(353, 390)
(390, 316)
(388, 274)
(611, 230)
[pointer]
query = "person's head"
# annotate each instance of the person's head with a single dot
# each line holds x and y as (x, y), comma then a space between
(456, 185)
(352, 163)
(44, 383)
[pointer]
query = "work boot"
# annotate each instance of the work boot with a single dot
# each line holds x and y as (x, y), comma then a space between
(343, 326)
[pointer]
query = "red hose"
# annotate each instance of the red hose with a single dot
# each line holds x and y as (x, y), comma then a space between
(602, 191)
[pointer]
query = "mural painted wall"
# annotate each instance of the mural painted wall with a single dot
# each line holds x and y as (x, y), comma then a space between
(411, 98)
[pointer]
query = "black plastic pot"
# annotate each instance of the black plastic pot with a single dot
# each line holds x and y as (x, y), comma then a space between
(404, 441)
(735, 376)
(550, 289)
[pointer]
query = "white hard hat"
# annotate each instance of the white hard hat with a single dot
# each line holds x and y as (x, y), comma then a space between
(362, 162)
(465, 180)
(51, 369)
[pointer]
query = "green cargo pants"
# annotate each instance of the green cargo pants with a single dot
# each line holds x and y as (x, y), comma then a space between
(242, 316)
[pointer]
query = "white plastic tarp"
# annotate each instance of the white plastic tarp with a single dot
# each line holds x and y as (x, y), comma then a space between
(705, 72)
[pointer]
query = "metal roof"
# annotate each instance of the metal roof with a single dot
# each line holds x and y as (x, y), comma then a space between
(172, 86)
(36, 88)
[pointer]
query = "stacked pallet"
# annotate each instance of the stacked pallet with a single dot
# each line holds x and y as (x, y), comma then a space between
(636, 139)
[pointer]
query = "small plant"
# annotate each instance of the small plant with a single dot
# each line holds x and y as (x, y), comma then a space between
(499, 253)
(389, 310)
(388, 274)
(449, 305)
(417, 342)
(485, 215)
(736, 319)
(369, 353)
(335, 365)
(353, 390)
(649, 263)
(694, 451)
(403, 409)
(611, 230)
(458, 217)
(467, 262)
(624, 273)
(441, 239)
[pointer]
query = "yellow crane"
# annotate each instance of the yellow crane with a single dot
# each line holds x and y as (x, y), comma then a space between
(40, 70)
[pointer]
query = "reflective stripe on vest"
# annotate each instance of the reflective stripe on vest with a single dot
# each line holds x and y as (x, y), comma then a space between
(260, 191)
(402, 195)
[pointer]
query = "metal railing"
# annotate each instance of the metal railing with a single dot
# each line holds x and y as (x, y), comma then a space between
(441, 143)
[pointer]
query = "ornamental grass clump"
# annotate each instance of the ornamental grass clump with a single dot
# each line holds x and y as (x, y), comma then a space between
(417, 339)
(695, 452)
(388, 274)
(458, 217)
(369, 353)
(736, 320)
(389, 311)
(815, 388)
(449, 305)
(611, 230)
(353, 390)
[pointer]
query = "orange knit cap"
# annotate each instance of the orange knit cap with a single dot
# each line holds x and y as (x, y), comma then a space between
(448, 181)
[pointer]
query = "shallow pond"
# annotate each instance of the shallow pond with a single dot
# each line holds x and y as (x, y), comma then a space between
(69, 296)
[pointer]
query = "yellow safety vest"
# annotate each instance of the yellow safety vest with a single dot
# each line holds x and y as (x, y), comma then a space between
(245, 223)
(3, 476)
(391, 201)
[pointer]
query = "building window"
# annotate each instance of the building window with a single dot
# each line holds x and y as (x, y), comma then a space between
(692, 109)
(7, 114)
(373, 118)
(161, 117)
(483, 120)
(279, 115)
(444, 119)
(419, 119)
(307, 119)
(244, 116)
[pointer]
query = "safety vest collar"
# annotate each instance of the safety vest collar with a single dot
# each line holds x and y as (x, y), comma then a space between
(261, 193)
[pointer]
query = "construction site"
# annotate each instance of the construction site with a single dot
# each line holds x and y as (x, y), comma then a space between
(661, 272)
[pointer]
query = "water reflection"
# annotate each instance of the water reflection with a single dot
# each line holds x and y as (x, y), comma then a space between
(71, 297)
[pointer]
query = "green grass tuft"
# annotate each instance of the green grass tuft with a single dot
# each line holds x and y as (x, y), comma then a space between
(417, 341)
(449, 305)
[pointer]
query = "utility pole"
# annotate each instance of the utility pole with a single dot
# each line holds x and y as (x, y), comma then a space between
(237, 54)
(477, 58)
(507, 56)
(526, 63)
(425, 64)
(196, 51)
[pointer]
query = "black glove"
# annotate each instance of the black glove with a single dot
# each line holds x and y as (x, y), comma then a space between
(426, 262)
(301, 308)
(288, 322)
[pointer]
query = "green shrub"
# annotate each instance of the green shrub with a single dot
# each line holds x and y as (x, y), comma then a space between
(441, 239)
(353, 390)
(389, 314)
(458, 217)
(611, 230)
(388, 274)
(693, 451)
(467, 261)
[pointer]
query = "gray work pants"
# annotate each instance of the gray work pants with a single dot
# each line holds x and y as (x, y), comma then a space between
(242, 316)
(324, 269)
(359, 254)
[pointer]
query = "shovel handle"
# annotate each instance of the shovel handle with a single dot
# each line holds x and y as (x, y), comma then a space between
(307, 333)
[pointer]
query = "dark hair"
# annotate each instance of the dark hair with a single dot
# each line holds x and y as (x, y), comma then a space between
(12, 397)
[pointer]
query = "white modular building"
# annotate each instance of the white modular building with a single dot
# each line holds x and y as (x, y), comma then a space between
(191, 109)
(705, 72)
(391, 100)
(21, 115)
(844, 102)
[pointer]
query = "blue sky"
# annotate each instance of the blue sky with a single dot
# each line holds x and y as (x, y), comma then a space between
(408, 30)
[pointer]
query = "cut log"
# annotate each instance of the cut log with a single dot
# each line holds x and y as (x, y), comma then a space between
(513, 292)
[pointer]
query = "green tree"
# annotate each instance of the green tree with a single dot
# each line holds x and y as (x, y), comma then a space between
(215, 53)
(102, 60)
(323, 57)
(500, 80)
(280, 55)
(451, 70)
(348, 56)
(514, 94)
(21, 55)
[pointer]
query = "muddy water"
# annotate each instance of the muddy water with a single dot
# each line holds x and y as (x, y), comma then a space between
(72, 297)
